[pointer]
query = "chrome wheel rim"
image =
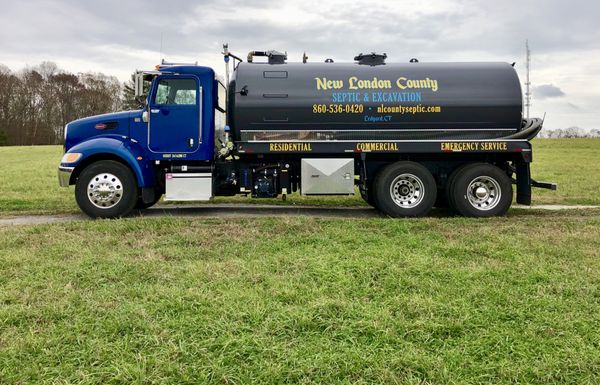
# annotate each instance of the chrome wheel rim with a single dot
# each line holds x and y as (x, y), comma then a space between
(407, 190)
(105, 191)
(484, 193)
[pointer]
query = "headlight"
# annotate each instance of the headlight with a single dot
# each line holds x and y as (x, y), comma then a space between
(70, 157)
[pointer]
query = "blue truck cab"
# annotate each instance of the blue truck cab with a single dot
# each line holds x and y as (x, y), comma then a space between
(177, 123)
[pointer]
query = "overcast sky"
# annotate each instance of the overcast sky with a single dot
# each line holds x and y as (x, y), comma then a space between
(117, 36)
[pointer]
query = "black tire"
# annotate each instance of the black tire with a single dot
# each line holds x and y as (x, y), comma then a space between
(448, 191)
(140, 205)
(117, 178)
(404, 189)
(495, 186)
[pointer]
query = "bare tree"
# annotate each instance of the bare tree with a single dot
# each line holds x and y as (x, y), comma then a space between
(37, 102)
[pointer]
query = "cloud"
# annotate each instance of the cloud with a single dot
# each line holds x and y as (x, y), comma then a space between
(546, 91)
(116, 37)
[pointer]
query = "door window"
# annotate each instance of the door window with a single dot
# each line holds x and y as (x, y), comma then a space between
(176, 91)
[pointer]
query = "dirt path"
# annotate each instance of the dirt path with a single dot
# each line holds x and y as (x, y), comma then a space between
(244, 211)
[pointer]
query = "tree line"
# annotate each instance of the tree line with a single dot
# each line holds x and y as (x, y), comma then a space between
(37, 102)
(570, 132)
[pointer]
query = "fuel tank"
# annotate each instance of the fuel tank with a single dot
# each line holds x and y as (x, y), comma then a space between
(395, 101)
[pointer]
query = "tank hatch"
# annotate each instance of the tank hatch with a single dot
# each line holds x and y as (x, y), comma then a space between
(372, 59)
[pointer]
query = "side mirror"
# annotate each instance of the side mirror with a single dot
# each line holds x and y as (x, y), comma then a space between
(145, 116)
(138, 83)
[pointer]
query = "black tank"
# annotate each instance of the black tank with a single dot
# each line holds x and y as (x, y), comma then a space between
(351, 101)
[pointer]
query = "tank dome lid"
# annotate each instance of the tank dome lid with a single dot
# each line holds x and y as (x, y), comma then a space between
(371, 59)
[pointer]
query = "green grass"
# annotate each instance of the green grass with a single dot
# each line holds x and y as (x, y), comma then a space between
(574, 164)
(302, 300)
(28, 181)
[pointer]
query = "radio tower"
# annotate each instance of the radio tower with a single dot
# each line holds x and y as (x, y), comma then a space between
(527, 82)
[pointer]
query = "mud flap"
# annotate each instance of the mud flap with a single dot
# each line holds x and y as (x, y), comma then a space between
(523, 183)
(148, 194)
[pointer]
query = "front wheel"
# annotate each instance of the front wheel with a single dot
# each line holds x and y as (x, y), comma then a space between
(405, 189)
(481, 190)
(106, 189)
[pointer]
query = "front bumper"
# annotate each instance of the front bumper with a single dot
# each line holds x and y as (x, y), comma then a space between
(64, 176)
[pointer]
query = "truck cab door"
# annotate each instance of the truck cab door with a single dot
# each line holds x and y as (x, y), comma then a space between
(174, 123)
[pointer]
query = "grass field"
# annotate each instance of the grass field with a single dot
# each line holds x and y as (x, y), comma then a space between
(574, 164)
(169, 300)
(28, 181)
(301, 300)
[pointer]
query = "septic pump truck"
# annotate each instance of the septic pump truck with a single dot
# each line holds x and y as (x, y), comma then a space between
(409, 136)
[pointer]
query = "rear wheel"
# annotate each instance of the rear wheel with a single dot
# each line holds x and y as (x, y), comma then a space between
(404, 189)
(106, 189)
(480, 190)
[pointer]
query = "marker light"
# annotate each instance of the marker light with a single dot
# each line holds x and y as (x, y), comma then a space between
(70, 157)
(100, 126)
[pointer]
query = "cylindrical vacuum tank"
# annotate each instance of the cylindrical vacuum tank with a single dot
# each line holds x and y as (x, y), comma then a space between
(351, 101)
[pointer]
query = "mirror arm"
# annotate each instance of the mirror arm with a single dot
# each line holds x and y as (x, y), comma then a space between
(145, 114)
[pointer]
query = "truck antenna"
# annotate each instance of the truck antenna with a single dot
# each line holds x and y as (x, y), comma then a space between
(161, 46)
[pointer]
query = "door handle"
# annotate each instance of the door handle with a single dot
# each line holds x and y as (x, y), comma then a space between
(155, 110)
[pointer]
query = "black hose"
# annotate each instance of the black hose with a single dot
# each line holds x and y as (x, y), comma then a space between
(529, 129)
